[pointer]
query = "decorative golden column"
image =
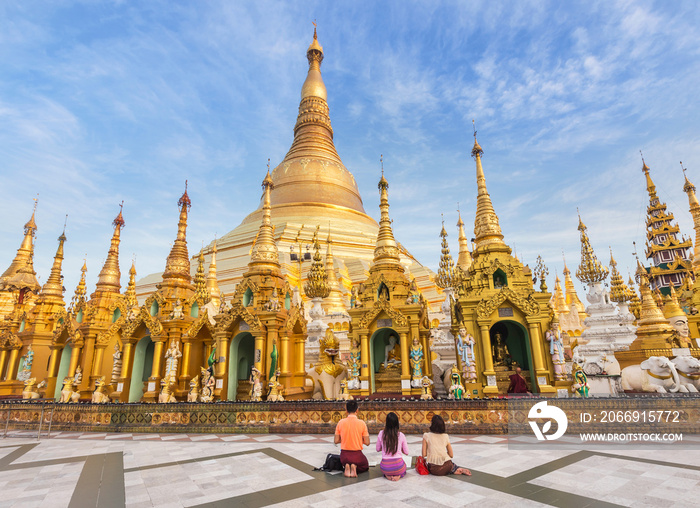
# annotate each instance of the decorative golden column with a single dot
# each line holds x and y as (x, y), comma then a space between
(365, 362)
(537, 356)
(74, 357)
(222, 349)
(405, 358)
(487, 358)
(3, 359)
(12, 364)
(127, 359)
(97, 362)
(284, 353)
(260, 349)
(157, 357)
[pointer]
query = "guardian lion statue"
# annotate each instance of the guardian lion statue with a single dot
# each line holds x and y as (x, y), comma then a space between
(99, 396)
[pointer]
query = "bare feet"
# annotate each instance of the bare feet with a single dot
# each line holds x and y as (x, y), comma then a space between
(353, 471)
(394, 478)
(464, 471)
(347, 471)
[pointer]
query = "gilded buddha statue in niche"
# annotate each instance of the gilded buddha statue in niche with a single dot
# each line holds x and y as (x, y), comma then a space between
(499, 350)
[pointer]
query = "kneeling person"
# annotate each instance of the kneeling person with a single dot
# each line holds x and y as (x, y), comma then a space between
(352, 434)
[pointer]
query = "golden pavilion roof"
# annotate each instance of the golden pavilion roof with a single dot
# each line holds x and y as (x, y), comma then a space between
(109, 279)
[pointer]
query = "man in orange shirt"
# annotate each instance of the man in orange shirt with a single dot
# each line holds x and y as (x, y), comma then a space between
(352, 434)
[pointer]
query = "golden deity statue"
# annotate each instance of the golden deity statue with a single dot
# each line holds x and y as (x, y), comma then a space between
(499, 350)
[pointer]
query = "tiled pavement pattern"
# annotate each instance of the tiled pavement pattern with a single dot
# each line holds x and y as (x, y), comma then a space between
(139, 470)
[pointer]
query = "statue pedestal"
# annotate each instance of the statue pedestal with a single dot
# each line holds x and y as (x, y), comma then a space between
(470, 388)
(388, 381)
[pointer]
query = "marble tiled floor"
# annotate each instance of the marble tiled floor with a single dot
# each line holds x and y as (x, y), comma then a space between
(143, 470)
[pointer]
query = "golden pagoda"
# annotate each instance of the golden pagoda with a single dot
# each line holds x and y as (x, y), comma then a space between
(311, 186)
(498, 305)
(668, 254)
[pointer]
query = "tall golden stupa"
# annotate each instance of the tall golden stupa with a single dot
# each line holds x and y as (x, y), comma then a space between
(312, 187)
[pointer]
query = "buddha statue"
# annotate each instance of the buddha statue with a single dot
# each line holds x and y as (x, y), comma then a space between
(499, 350)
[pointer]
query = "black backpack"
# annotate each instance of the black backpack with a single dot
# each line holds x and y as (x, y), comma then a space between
(332, 463)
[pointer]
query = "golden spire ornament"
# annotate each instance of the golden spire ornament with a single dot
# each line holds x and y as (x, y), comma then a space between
(541, 272)
(386, 251)
(109, 279)
(464, 260)
(619, 292)
(177, 266)
(79, 297)
(335, 298)
(24, 253)
(689, 189)
(486, 227)
(54, 284)
(130, 293)
(446, 270)
(317, 279)
(264, 257)
(200, 283)
(590, 271)
(212, 283)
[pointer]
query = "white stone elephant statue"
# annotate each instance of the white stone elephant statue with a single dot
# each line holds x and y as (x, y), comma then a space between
(689, 371)
(655, 374)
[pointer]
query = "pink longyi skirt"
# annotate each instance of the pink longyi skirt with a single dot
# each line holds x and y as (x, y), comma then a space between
(393, 467)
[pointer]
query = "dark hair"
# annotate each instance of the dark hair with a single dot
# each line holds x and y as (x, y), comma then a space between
(351, 406)
(391, 433)
(437, 425)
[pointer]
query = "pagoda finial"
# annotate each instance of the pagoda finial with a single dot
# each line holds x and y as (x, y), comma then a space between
(446, 271)
(317, 279)
(386, 251)
(464, 260)
(79, 297)
(590, 271)
(619, 292)
(212, 283)
(200, 284)
(109, 279)
(54, 283)
(486, 227)
(264, 255)
(130, 293)
(689, 189)
(177, 266)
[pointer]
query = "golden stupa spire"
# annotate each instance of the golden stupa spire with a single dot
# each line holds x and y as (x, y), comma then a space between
(335, 298)
(317, 279)
(446, 270)
(558, 299)
(264, 255)
(54, 284)
(24, 253)
(80, 290)
(635, 301)
(177, 266)
(689, 189)
(109, 279)
(386, 251)
(619, 292)
(651, 322)
(590, 271)
(212, 283)
(464, 260)
(200, 283)
(130, 294)
(486, 228)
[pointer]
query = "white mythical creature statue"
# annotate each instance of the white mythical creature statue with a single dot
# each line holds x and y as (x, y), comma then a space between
(655, 374)
(689, 371)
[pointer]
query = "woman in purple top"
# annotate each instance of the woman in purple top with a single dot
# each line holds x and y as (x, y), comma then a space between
(392, 443)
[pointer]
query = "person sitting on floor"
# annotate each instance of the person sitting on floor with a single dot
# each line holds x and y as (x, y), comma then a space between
(437, 450)
(392, 444)
(352, 434)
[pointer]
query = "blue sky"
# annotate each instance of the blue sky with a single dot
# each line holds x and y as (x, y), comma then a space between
(108, 101)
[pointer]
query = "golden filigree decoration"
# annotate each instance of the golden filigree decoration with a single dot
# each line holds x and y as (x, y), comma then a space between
(238, 311)
(202, 321)
(72, 333)
(382, 306)
(527, 305)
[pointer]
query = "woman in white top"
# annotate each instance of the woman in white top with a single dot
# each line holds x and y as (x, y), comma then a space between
(437, 450)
